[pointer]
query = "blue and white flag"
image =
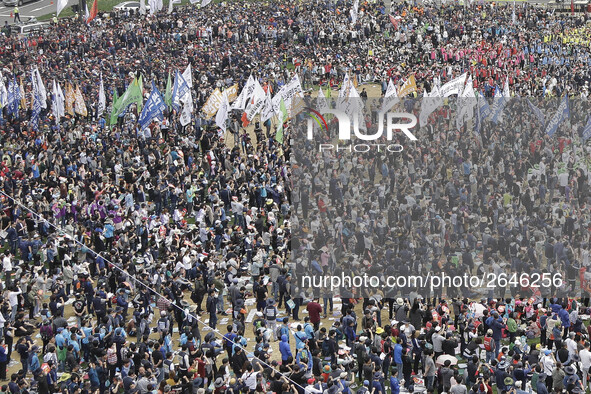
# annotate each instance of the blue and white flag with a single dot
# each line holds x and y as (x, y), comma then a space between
(484, 111)
(587, 130)
(14, 97)
(500, 100)
(153, 108)
(537, 112)
(561, 114)
(36, 110)
(180, 89)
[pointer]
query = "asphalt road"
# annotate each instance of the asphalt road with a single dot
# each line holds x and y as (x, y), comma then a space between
(36, 8)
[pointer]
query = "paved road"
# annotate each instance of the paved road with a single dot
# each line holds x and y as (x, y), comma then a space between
(37, 8)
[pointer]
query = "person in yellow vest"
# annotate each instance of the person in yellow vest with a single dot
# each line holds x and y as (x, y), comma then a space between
(16, 14)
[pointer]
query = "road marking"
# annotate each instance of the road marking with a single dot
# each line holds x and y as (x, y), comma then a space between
(41, 8)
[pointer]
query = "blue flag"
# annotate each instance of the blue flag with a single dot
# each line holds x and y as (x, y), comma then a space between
(153, 108)
(14, 97)
(36, 111)
(587, 130)
(484, 111)
(179, 89)
(498, 105)
(561, 114)
(537, 112)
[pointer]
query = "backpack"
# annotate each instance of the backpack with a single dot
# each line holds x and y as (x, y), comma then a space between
(162, 324)
(46, 332)
(270, 312)
(182, 363)
(278, 333)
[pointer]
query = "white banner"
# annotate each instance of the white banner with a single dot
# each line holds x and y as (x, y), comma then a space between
(188, 74)
(187, 109)
(455, 86)
(222, 116)
(267, 111)
(61, 4)
(102, 100)
(287, 92)
(431, 101)
(244, 95)
(256, 102)
(321, 101)
(466, 104)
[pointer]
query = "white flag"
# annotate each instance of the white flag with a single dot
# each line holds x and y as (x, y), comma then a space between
(256, 102)
(222, 115)
(41, 88)
(205, 3)
(321, 101)
(188, 75)
(267, 111)
(287, 93)
(187, 108)
(240, 102)
(355, 11)
(170, 5)
(153, 6)
(455, 86)
(142, 7)
(3, 92)
(86, 13)
(349, 100)
(58, 102)
(61, 4)
(102, 100)
(390, 98)
(506, 92)
(159, 5)
(431, 101)
(466, 104)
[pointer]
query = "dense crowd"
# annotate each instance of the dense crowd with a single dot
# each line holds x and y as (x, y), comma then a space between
(166, 259)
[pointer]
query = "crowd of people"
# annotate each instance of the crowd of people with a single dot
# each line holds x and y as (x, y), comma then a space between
(169, 259)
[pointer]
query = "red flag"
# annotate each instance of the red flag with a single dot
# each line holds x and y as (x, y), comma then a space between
(394, 21)
(572, 7)
(93, 11)
(245, 121)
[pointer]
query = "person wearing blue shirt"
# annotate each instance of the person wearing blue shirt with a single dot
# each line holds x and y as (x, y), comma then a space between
(33, 361)
(565, 319)
(398, 354)
(394, 383)
(284, 349)
(308, 328)
(376, 384)
(497, 325)
(301, 338)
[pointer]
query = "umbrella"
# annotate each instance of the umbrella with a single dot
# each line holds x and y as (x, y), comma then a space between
(441, 359)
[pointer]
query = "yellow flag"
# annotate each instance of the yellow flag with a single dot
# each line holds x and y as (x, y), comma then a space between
(213, 103)
(298, 104)
(70, 99)
(79, 103)
(409, 86)
(231, 92)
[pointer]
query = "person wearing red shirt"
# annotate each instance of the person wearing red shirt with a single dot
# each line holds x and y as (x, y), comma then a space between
(314, 310)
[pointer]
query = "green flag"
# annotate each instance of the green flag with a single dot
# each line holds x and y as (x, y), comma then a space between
(114, 108)
(168, 93)
(328, 90)
(282, 118)
(133, 94)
